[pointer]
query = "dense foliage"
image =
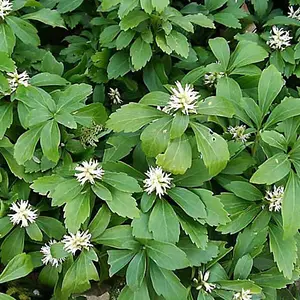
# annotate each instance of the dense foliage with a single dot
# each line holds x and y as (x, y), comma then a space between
(150, 147)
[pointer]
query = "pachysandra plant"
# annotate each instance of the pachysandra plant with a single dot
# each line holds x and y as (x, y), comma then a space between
(151, 148)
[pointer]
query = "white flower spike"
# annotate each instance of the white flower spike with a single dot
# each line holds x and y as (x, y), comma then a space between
(47, 256)
(183, 99)
(78, 241)
(294, 14)
(5, 8)
(24, 213)
(275, 198)
(17, 79)
(279, 39)
(115, 96)
(243, 295)
(89, 171)
(211, 78)
(158, 181)
(89, 135)
(201, 282)
(238, 133)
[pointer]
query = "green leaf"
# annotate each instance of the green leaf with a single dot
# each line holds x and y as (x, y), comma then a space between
(76, 279)
(198, 256)
(46, 16)
(260, 6)
(274, 139)
(288, 108)
(68, 5)
(244, 190)
(7, 39)
(284, 250)
(50, 140)
(177, 157)
(118, 259)
(182, 22)
(201, 20)
(269, 86)
(100, 222)
(238, 285)
(213, 148)
(6, 117)
(290, 208)
(124, 39)
(155, 137)
(193, 76)
(163, 222)
(147, 201)
(23, 30)
(140, 53)
(133, 19)
(141, 293)
(65, 191)
(6, 63)
(240, 220)
(73, 97)
(140, 228)
(6, 297)
(5, 226)
(136, 270)
(131, 117)
(77, 211)
(216, 214)
(243, 267)
(123, 204)
(160, 5)
(118, 65)
(26, 143)
(216, 106)
(101, 191)
(12, 245)
(221, 51)
(194, 176)
(166, 255)
(52, 227)
(212, 5)
(119, 237)
(227, 19)
(272, 170)
(51, 65)
(109, 34)
(18, 267)
(178, 43)
(179, 125)
(166, 283)
(34, 232)
(126, 6)
(47, 79)
(246, 53)
(196, 231)
(188, 201)
(121, 182)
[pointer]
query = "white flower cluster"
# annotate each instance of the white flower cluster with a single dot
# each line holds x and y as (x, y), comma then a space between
(115, 96)
(89, 135)
(24, 213)
(47, 256)
(5, 8)
(243, 295)
(279, 38)
(157, 181)
(275, 198)
(183, 99)
(294, 14)
(211, 78)
(89, 171)
(15, 79)
(78, 241)
(201, 282)
(238, 133)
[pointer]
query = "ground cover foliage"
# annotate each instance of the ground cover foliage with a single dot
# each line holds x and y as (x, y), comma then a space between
(150, 147)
